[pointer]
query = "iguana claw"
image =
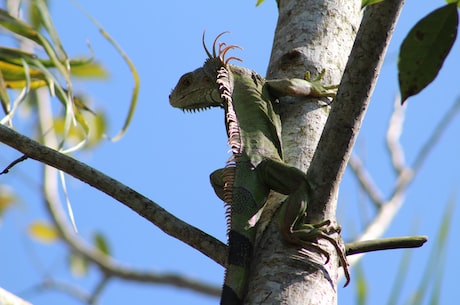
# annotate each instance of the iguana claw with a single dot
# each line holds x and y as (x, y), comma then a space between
(318, 89)
(307, 233)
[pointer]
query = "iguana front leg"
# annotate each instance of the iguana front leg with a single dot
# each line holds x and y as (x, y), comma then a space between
(291, 181)
(307, 87)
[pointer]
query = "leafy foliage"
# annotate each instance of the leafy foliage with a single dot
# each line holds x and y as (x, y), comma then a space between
(26, 71)
(425, 48)
(47, 65)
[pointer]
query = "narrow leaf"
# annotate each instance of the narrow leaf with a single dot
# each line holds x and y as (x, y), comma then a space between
(425, 48)
(101, 243)
(401, 276)
(17, 26)
(43, 232)
(437, 256)
(134, 73)
(7, 199)
(365, 3)
(78, 264)
(361, 288)
(453, 1)
(91, 70)
(4, 97)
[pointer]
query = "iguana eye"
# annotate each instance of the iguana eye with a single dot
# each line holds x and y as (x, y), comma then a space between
(185, 81)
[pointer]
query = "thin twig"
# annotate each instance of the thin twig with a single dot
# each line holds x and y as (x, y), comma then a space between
(66, 288)
(366, 181)
(7, 297)
(98, 289)
(436, 135)
(10, 166)
(385, 244)
(407, 175)
(394, 131)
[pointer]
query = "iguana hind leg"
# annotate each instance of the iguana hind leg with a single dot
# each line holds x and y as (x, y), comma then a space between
(291, 181)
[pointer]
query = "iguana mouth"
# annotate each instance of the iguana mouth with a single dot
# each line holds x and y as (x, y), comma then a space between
(187, 101)
(196, 109)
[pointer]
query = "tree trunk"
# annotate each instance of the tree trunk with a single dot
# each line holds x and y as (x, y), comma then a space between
(310, 36)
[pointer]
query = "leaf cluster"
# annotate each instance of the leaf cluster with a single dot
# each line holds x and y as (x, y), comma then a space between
(26, 71)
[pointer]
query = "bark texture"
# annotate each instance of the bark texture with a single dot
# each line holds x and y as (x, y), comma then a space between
(310, 36)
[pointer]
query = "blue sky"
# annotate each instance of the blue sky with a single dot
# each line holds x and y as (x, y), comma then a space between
(167, 155)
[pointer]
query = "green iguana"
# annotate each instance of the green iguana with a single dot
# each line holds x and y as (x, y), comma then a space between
(256, 165)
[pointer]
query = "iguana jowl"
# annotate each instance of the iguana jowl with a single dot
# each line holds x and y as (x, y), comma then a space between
(256, 165)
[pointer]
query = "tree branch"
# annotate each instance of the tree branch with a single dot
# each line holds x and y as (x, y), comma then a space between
(109, 266)
(394, 131)
(348, 109)
(448, 117)
(366, 182)
(7, 297)
(145, 207)
(385, 244)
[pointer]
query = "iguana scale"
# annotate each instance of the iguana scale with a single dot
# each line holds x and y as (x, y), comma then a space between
(256, 165)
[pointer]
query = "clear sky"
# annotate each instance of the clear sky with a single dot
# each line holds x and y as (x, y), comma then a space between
(167, 155)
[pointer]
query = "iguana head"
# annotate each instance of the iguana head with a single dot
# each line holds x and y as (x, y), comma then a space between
(195, 91)
(204, 87)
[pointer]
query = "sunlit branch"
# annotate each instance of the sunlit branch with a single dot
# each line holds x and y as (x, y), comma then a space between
(366, 181)
(385, 244)
(394, 131)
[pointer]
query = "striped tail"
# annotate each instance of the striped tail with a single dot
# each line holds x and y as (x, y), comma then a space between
(236, 275)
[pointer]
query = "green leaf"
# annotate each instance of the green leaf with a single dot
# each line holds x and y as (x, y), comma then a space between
(34, 14)
(401, 276)
(259, 2)
(78, 264)
(43, 232)
(90, 70)
(17, 26)
(101, 243)
(432, 273)
(365, 3)
(425, 48)
(454, 1)
(4, 97)
(361, 288)
(7, 199)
